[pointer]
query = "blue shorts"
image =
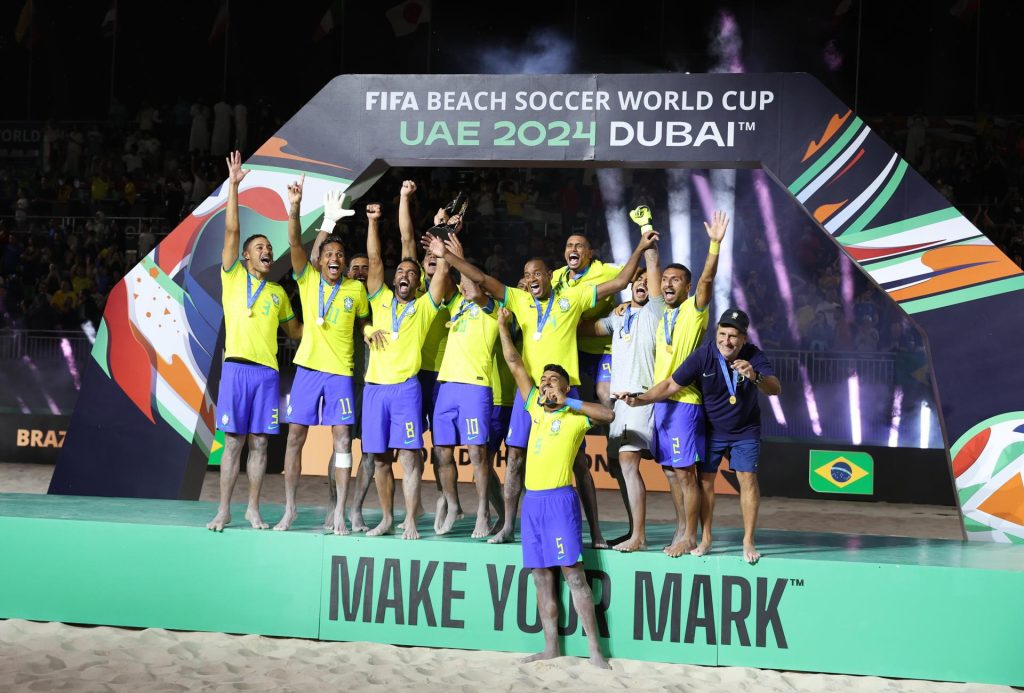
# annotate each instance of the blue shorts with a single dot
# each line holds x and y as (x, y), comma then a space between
(551, 528)
(519, 425)
(498, 426)
(249, 398)
(597, 367)
(743, 455)
(392, 417)
(678, 434)
(321, 399)
(428, 388)
(462, 414)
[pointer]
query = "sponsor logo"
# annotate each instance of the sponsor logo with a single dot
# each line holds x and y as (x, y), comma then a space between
(709, 375)
(842, 472)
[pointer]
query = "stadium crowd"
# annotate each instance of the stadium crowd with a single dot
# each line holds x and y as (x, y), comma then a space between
(105, 193)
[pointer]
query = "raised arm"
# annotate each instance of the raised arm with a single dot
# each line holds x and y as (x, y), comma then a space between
(405, 225)
(451, 251)
(441, 288)
(298, 253)
(652, 258)
(334, 210)
(706, 283)
(511, 354)
(628, 271)
(232, 230)
(375, 277)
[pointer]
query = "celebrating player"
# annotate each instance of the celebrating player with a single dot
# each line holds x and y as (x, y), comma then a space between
(679, 421)
(392, 399)
(729, 372)
(249, 391)
(322, 393)
(550, 337)
(552, 530)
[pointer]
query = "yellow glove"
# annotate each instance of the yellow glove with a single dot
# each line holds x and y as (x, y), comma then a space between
(642, 216)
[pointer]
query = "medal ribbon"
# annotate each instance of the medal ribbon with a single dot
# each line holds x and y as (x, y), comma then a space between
(627, 325)
(325, 307)
(463, 307)
(541, 321)
(396, 320)
(250, 297)
(729, 382)
(669, 329)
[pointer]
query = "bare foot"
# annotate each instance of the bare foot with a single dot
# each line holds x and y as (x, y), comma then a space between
(599, 544)
(618, 540)
(496, 526)
(631, 544)
(286, 521)
(449, 521)
(750, 554)
(253, 516)
(383, 528)
(356, 521)
(684, 545)
(415, 518)
(482, 528)
(540, 656)
(599, 661)
(222, 520)
(410, 531)
(440, 510)
(505, 536)
(338, 526)
(702, 548)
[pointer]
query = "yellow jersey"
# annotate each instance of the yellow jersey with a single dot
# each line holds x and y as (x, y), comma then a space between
(596, 273)
(560, 315)
(400, 359)
(252, 337)
(432, 354)
(686, 324)
(329, 347)
(555, 437)
(471, 337)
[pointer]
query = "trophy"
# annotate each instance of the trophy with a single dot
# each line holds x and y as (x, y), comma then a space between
(458, 206)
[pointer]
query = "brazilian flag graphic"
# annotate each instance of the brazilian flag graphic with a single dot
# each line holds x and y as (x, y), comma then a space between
(834, 471)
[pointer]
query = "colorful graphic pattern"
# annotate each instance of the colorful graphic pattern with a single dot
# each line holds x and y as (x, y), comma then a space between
(926, 261)
(161, 323)
(988, 465)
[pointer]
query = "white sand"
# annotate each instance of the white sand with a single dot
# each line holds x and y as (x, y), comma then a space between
(58, 657)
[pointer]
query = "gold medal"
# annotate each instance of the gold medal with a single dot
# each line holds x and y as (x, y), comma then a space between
(668, 348)
(449, 324)
(732, 399)
(250, 312)
(627, 337)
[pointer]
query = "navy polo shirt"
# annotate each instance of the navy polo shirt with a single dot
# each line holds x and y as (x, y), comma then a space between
(740, 421)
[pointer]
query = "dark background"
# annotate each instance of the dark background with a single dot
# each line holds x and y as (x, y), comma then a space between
(939, 56)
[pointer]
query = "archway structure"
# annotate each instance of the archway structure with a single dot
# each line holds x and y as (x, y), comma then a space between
(144, 425)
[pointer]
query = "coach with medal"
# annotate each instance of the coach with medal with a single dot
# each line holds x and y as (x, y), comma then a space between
(729, 372)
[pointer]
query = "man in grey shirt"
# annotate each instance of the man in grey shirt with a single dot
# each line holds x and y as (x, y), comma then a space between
(633, 330)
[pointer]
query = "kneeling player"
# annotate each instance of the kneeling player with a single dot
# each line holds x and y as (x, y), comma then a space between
(552, 526)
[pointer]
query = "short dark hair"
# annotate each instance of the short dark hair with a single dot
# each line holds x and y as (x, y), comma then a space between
(682, 268)
(581, 235)
(555, 368)
(250, 239)
(412, 260)
(334, 238)
(359, 256)
(539, 259)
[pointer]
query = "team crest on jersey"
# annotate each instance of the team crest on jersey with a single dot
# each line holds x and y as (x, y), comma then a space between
(275, 299)
(563, 304)
(349, 303)
(556, 425)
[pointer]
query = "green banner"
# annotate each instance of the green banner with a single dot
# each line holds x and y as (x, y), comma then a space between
(838, 471)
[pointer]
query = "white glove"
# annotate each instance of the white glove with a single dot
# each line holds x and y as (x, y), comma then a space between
(334, 209)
